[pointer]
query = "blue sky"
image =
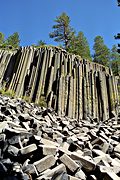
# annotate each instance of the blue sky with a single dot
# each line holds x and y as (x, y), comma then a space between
(33, 19)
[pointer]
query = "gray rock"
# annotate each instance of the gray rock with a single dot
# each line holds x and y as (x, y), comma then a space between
(117, 148)
(48, 150)
(88, 164)
(71, 164)
(45, 163)
(81, 175)
(28, 149)
(13, 150)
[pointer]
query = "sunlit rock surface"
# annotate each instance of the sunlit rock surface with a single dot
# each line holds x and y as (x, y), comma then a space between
(72, 86)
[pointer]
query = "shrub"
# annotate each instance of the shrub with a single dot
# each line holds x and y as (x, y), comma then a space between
(26, 98)
(9, 93)
(42, 101)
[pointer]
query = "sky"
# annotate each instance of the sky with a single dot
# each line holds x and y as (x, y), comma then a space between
(33, 19)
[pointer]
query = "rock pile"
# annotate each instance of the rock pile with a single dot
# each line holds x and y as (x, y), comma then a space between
(36, 143)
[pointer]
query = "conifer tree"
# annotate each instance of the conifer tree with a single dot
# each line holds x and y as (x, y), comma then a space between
(79, 46)
(115, 61)
(41, 43)
(62, 30)
(13, 40)
(102, 53)
(1, 38)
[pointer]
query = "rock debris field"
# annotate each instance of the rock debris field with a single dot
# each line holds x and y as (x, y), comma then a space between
(36, 143)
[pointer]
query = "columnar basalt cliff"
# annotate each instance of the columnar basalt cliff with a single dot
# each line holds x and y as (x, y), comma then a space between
(72, 86)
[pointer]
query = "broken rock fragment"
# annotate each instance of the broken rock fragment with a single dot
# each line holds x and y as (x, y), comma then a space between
(70, 164)
(28, 149)
(45, 163)
(36, 143)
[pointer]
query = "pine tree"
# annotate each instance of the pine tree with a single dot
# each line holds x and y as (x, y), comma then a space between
(1, 38)
(72, 44)
(115, 61)
(102, 53)
(41, 43)
(62, 30)
(80, 46)
(13, 40)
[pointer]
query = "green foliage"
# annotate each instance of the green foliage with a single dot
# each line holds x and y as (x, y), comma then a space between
(9, 93)
(13, 40)
(26, 98)
(64, 33)
(47, 46)
(102, 53)
(42, 102)
(62, 30)
(1, 38)
(41, 43)
(115, 65)
(2, 91)
(79, 46)
(115, 61)
(114, 54)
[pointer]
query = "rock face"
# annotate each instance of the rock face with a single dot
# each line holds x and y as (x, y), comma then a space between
(36, 143)
(72, 86)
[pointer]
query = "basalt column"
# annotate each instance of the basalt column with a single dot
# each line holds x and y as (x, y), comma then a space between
(73, 86)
